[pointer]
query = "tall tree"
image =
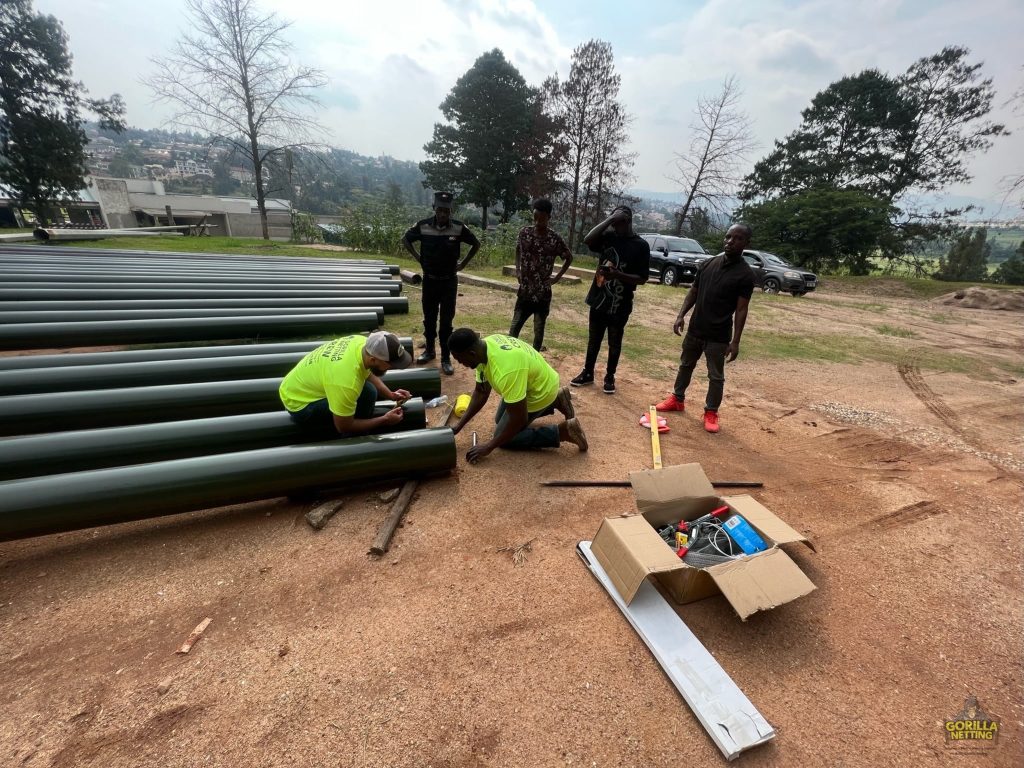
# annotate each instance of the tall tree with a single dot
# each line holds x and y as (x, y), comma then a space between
(42, 139)
(484, 146)
(593, 125)
(822, 228)
(231, 78)
(890, 137)
(709, 173)
(967, 258)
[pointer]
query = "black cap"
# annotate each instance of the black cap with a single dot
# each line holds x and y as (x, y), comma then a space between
(443, 199)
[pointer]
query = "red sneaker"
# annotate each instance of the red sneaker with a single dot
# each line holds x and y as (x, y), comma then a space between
(670, 403)
(711, 421)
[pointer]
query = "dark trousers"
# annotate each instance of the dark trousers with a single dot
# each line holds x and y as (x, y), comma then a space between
(317, 415)
(439, 295)
(529, 437)
(615, 325)
(525, 308)
(714, 356)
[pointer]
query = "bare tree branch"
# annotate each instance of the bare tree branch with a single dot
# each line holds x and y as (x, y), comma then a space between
(710, 172)
(232, 79)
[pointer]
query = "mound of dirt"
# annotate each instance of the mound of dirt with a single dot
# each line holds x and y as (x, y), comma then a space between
(984, 298)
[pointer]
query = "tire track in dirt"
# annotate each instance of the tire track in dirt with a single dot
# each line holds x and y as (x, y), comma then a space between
(912, 377)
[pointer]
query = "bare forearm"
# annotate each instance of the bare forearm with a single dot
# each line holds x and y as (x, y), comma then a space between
(594, 234)
(688, 301)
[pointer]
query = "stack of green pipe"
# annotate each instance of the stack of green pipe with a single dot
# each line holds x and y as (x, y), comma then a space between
(54, 503)
(78, 450)
(148, 331)
(20, 362)
(56, 411)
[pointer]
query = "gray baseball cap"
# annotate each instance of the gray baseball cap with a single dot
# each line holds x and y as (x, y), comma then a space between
(386, 346)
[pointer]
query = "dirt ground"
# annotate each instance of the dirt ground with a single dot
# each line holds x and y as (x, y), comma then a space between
(446, 653)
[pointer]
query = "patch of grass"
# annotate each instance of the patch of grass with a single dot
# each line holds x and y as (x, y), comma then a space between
(891, 330)
(876, 308)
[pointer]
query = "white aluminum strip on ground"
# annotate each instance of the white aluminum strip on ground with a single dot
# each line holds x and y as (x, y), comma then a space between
(725, 712)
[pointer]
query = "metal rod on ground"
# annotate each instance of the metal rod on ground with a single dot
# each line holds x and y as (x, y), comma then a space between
(77, 359)
(67, 502)
(150, 331)
(79, 450)
(398, 509)
(626, 484)
(63, 411)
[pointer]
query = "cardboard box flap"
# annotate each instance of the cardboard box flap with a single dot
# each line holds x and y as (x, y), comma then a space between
(629, 550)
(765, 521)
(682, 490)
(762, 582)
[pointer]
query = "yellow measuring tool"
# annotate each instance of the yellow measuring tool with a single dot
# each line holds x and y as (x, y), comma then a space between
(655, 440)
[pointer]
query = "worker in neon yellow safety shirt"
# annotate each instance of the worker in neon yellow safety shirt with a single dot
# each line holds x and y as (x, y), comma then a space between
(529, 389)
(335, 387)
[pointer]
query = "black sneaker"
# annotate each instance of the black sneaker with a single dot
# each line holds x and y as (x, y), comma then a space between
(609, 385)
(585, 377)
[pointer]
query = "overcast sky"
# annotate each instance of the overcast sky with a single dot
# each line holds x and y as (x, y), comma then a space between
(391, 62)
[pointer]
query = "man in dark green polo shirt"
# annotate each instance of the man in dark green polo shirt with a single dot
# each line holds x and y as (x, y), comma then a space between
(722, 287)
(440, 238)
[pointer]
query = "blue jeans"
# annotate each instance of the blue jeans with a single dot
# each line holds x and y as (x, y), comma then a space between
(529, 437)
(317, 416)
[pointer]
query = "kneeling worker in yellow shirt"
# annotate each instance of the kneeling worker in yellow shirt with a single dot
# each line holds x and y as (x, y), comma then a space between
(529, 389)
(334, 388)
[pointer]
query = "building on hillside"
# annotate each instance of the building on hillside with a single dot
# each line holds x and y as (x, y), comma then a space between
(129, 203)
(83, 208)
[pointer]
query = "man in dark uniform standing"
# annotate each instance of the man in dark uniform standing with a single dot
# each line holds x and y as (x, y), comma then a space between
(722, 288)
(623, 258)
(441, 238)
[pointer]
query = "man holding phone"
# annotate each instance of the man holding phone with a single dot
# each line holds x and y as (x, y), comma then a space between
(623, 262)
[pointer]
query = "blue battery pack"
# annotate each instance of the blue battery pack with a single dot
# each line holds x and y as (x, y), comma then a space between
(744, 535)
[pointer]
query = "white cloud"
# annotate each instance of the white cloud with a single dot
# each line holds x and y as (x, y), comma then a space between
(392, 63)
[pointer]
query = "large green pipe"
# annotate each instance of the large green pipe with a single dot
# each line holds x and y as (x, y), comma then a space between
(392, 305)
(141, 283)
(93, 409)
(97, 255)
(105, 315)
(42, 505)
(91, 294)
(31, 381)
(29, 266)
(21, 362)
(57, 452)
(57, 335)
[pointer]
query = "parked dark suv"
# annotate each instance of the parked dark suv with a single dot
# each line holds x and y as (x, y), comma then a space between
(674, 259)
(775, 275)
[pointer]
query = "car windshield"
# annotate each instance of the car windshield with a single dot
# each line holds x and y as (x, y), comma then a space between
(773, 259)
(684, 244)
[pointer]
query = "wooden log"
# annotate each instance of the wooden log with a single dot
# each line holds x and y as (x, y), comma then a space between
(387, 529)
(320, 514)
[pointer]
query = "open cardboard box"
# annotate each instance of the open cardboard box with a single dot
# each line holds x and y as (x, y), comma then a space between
(630, 549)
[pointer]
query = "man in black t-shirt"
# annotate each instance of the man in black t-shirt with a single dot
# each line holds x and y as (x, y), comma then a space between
(623, 262)
(722, 287)
(441, 238)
